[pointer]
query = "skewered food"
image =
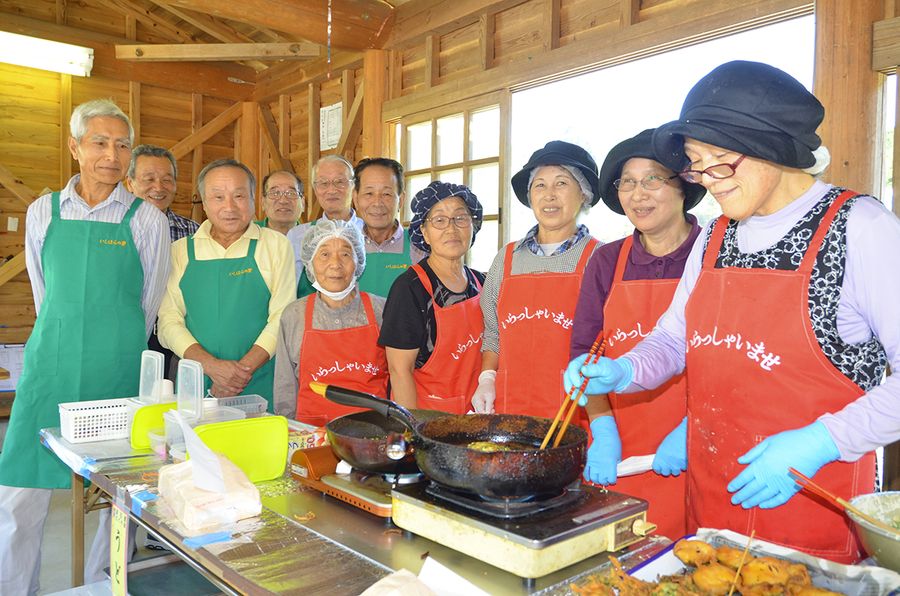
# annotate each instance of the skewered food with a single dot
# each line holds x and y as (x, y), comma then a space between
(764, 570)
(713, 578)
(694, 552)
(729, 556)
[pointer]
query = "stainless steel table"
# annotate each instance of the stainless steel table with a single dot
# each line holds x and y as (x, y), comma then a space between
(303, 542)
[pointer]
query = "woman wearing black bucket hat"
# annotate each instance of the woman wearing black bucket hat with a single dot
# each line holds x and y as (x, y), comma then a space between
(532, 286)
(626, 287)
(432, 319)
(785, 318)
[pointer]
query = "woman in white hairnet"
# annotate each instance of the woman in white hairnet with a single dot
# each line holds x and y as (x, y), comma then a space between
(330, 336)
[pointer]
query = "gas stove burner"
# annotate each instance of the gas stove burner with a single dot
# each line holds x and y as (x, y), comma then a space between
(505, 508)
(368, 478)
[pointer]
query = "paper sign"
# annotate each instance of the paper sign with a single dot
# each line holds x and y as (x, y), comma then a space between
(118, 551)
(11, 359)
(331, 121)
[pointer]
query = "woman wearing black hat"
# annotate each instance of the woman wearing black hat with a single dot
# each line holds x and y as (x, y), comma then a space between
(532, 286)
(785, 318)
(627, 285)
(432, 319)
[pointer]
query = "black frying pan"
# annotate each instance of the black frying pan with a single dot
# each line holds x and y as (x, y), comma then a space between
(441, 449)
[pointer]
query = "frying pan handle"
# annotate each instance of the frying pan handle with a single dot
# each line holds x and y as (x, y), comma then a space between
(358, 399)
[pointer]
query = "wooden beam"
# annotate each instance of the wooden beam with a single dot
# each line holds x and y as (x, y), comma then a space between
(677, 28)
(269, 130)
(313, 103)
(432, 60)
(352, 124)
(206, 132)
(60, 12)
(284, 130)
(375, 73)
(197, 156)
(248, 146)
(486, 40)
(348, 90)
(134, 109)
(550, 24)
(356, 24)
(293, 77)
(850, 90)
(217, 52)
(12, 268)
(145, 17)
(886, 44)
(629, 11)
(229, 81)
(206, 23)
(130, 27)
(15, 185)
(65, 113)
(416, 20)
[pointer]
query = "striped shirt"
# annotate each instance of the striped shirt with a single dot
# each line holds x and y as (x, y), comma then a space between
(524, 261)
(180, 227)
(148, 227)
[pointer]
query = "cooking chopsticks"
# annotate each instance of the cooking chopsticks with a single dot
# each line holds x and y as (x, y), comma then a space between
(817, 489)
(594, 354)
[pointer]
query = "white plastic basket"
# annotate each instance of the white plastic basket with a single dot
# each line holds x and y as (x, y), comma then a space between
(97, 420)
(252, 405)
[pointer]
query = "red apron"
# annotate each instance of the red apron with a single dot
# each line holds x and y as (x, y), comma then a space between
(645, 418)
(350, 358)
(756, 369)
(447, 381)
(535, 312)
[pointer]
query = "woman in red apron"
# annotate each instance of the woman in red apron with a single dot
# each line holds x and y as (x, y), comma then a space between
(432, 319)
(785, 318)
(330, 336)
(627, 285)
(532, 287)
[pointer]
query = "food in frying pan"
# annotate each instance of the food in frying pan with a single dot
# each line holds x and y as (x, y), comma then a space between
(488, 446)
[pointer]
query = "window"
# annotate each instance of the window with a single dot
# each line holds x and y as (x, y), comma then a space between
(602, 108)
(461, 144)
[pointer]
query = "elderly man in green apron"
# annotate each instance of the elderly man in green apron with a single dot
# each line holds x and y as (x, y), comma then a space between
(333, 185)
(228, 285)
(97, 258)
(377, 196)
(282, 201)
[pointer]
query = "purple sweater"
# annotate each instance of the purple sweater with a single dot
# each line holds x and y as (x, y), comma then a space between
(868, 306)
(598, 278)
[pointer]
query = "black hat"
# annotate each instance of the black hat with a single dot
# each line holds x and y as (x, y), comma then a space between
(750, 108)
(431, 195)
(639, 145)
(557, 153)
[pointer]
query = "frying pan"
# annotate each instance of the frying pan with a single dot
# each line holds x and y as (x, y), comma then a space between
(362, 439)
(442, 453)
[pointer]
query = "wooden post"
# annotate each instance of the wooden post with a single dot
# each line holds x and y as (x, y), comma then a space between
(65, 112)
(249, 142)
(196, 157)
(375, 77)
(850, 91)
(313, 101)
(134, 109)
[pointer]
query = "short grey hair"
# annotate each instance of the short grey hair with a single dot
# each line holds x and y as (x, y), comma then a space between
(151, 151)
(93, 109)
(579, 178)
(226, 163)
(333, 158)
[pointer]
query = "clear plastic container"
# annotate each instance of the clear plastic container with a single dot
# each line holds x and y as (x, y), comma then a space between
(152, 364)
(212, 413)
(190, 389)
(158, 441)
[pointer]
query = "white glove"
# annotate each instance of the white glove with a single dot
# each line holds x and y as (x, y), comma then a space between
(483, 400)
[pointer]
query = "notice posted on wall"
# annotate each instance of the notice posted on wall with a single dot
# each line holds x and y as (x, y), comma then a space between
(330, 125)
(11, 358)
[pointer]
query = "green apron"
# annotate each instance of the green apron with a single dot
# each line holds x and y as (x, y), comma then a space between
(304, 286)
(263, 223)
(86, 343)
(383, 268)
(227, 307)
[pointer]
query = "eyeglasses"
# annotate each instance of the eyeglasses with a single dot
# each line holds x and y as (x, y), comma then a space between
(337, 183)
(651, 182)
(719, 171)
(287, 195)
(441, 222)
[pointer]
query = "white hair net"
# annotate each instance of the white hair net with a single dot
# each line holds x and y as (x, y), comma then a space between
(823, 160)
(326, 229)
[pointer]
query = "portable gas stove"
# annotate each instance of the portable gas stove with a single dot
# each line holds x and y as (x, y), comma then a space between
(316, 467)
(526, 538)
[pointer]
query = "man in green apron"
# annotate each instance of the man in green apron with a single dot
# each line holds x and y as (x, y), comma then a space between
(97, 259)
(229, 283)
(333, 185)
(282, 201)
(377, 196)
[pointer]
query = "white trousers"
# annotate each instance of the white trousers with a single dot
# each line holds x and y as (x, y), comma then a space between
(23, 512)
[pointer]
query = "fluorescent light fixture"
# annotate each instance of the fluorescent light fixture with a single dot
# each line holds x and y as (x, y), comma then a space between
(46, 55)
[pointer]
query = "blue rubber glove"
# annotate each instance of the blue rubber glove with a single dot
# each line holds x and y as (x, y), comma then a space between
(765, 482)
(604, 376)
(605, 451)
(671, 455)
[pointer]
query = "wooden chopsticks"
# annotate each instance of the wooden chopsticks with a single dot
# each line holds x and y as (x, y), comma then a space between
(737, 574)
(816, 489)
(594, 355)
